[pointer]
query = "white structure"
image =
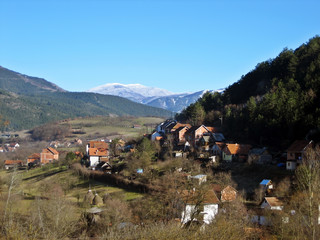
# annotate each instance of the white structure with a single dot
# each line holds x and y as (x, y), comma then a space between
(272, 203)
(200, 178)
(200, 208)
(291, 165)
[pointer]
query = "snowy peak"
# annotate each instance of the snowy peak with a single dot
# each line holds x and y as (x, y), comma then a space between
(151, 96)
(134, 92)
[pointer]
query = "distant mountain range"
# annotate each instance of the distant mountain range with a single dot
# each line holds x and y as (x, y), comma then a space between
(151, 96)
(30, 101)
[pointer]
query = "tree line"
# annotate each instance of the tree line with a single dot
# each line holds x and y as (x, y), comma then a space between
(274, 104)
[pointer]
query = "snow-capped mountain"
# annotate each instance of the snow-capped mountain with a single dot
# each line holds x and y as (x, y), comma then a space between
(134, 92)
(175, 102)
(151, 96)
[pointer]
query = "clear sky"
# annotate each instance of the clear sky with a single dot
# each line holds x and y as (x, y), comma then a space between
(178, 45)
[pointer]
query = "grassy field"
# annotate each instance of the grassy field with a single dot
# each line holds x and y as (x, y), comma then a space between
(113, 126)
(38, 182)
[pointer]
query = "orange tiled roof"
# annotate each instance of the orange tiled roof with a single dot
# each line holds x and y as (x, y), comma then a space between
(13, 162)
(179, 125)
(98, 152)
(98, 144)
(237, 148)
(34, 156)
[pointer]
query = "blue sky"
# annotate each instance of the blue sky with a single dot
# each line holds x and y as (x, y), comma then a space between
(178, 45)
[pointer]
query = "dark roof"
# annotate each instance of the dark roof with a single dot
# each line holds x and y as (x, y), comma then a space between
(298, 145)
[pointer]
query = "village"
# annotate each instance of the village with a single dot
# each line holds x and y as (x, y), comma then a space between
(205, 153)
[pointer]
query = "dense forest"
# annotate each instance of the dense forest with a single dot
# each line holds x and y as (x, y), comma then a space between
(275, 103)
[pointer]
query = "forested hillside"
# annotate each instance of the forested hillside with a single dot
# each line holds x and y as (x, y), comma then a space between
(26, 102)
(275, 103)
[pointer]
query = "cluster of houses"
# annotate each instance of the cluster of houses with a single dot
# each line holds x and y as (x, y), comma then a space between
(211, 140)
(203, 207)
(9, 147)
(73, 143)
(47, 155)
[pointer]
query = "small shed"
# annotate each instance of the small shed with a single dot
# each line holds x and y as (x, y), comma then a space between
(200, 178)
(266, 184)
(228, 194)
(272, 203)
(259, 156)
(9, 164)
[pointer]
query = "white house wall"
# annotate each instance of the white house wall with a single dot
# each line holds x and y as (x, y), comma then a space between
(210, 211)
(186, 215)
(94, 160)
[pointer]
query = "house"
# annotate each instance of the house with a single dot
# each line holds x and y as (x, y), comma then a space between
(266, 185)
(201, 207)
(194, 134)
(34, 158)
(227, 194)
(78, 141)
(48, 155)
(9, 164)
(295, 153)
(1, 149)
(161, 128)
(235, 151)
(259, 156)
(14, 145)
(217, 148)
(205, 141)
(97, 151)
(180, 134)
(272, 203)
(172, 128)
(198, 179)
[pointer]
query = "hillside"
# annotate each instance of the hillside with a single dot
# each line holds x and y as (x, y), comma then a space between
(23, 84)
(274, 104)
(27, 102)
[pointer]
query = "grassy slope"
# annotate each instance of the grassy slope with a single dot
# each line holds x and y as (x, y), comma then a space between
(113, 127)
(33, 184)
